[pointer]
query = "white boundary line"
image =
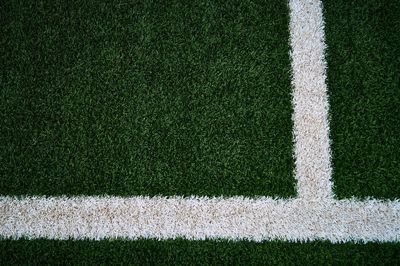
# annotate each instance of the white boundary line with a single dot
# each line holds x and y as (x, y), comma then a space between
(310, 101)
(315, 214)
(199, 218)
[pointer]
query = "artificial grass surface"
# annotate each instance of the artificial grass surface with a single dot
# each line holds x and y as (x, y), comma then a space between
(184, 252)
(364, 88)
(145, 98)
(187, 98)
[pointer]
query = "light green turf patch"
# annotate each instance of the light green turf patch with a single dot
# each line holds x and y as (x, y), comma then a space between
(364, 87)
(183, 252)
(148, 97)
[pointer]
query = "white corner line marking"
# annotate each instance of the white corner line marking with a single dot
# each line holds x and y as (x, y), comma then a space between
(314, 215)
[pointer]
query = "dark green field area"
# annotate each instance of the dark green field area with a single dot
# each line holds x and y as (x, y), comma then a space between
(183, 252)
(364, 85)
(145, 98)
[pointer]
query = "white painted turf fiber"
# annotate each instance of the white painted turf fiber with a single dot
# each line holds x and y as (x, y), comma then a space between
(314, 215)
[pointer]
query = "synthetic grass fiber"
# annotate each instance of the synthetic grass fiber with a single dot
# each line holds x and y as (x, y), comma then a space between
(183, 252)
(174, 98)
(145, 98)
(364, 87)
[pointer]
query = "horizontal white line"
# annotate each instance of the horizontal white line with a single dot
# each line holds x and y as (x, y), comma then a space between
(199, 218)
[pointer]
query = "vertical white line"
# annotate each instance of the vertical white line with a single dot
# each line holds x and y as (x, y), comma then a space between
(310, 101)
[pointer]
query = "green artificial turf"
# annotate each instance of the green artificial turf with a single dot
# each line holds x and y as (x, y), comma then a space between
(190, 97)
(145, 98)
(184, 252)
(364, 87)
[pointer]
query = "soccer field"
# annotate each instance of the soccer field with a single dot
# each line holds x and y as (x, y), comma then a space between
(204, 132)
